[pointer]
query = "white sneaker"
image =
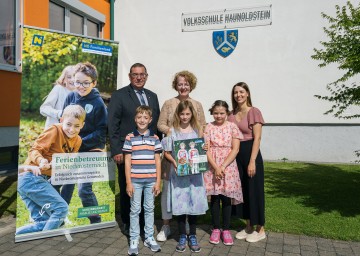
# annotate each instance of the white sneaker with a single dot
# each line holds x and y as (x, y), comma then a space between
(243, 234)
(67, 221)
(151, 243)
(133, 249)
(255, 237)
(164, 233)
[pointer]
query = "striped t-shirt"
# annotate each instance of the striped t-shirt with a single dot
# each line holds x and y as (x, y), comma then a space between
(142, 148)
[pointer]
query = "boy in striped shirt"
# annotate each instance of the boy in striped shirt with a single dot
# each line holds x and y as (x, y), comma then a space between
(142, 150)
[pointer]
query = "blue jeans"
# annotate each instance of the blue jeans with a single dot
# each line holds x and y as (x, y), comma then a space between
(86, 194)
(135, 209)
(47, 208)
(88, 198)
(65, 191)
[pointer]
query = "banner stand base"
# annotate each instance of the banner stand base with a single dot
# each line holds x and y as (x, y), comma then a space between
(68, 237)
(66, 232)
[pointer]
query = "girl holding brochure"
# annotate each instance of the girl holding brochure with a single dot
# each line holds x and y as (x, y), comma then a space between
(186, 194)
(184, 83)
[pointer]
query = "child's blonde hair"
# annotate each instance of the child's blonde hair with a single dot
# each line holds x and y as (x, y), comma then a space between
(180, 108)
(143, 109)
(75, 111)
(64, 73)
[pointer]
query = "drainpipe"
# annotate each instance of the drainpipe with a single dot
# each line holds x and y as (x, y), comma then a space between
(112, 19)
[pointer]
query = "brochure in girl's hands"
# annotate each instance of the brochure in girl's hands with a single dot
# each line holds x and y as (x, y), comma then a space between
(190, 156)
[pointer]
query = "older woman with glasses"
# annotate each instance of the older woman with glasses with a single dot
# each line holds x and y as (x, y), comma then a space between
(184, 82)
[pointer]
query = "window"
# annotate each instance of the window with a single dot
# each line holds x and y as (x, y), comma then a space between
(75, 17)
(76, 24)
(57, 14)
(9, 34)
(92, 29)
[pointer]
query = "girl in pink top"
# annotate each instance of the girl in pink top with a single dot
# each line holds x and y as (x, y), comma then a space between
(222, 180)
(250, 121)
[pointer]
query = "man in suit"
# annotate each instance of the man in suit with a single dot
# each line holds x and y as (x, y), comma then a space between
(121, 114)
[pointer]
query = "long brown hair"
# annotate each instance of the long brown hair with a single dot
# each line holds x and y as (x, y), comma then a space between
(180, 108)
(233, 102)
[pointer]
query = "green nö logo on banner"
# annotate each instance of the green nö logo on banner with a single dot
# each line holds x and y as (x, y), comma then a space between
(37, 40)
(92, 210)
(225, 41)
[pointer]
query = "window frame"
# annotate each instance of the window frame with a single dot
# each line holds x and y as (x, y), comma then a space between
(78, 18)
(87, 21)
(86, 12)
(16, 67)
(51, 3)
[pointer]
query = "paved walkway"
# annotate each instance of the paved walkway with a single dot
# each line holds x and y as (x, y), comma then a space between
(111, 241)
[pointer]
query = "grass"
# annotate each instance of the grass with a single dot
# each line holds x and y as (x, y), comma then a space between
(301, 198)
(8, 186)
(31, 125)
(313, 199)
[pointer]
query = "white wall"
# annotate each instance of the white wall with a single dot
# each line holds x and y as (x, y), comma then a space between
(274, 60)
(323, 143)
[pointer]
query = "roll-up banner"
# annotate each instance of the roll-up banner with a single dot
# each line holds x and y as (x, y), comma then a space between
(66, 177)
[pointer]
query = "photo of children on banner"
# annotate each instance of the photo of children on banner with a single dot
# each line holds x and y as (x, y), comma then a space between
(47, 208)
(60, 185)
(190, 156)
(93, 134)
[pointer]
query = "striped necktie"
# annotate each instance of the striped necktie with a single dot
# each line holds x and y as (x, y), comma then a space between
(142, 100)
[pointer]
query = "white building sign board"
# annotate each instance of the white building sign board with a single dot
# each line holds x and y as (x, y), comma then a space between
(227, 18)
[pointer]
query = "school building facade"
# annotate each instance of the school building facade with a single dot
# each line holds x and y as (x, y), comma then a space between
(268, 45)
(273, 55)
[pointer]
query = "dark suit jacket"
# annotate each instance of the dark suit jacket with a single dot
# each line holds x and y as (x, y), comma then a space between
(121, 113)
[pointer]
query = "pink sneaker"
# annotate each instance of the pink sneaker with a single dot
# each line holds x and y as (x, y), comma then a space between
(215, 236)
(227, 237)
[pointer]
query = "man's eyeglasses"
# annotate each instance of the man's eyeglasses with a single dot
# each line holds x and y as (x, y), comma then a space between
(135, 75)
(85, 84)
